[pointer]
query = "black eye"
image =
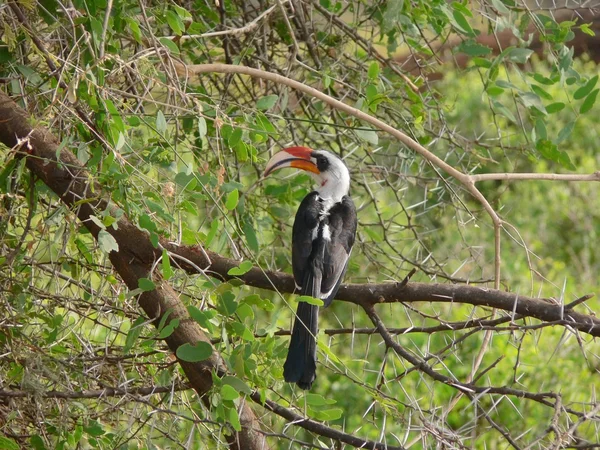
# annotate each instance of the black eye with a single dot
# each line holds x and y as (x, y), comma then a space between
(322, 163)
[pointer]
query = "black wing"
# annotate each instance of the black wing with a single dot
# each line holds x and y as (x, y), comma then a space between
(306, 226)
(341, 222)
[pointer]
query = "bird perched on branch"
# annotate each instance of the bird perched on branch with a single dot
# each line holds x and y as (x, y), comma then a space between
(322, 238)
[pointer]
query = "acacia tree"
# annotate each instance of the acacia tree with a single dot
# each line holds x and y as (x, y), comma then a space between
(143, 269)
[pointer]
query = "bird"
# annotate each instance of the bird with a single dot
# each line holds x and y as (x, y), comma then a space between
(323, 234)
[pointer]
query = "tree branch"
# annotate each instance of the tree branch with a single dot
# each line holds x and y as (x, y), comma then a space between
(319, 428)
(97, 393)
(370, 294)
(536, 176)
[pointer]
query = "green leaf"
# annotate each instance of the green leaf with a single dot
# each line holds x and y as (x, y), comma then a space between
(519, 55)
(482, 62)
(168, 329)
(194, 353)
(367, 135)
(182, 12)
(232, 200)
(507, 85)
(245, 311)
(8, 444)
(202, 128)
(373, 71)
(310, 300)
(135, 30)
(94, 428)
(147, 223)
(550, 151)
(371, 92)
(392, 14)
(585, 27)
(565, 132)
(328, 414)
(540, 129)
(236, 383)
(235, 137)
(167, 272)
(133, 333)
(543, 80)
(584, 90)
(175, 23)
(462, 23)
(241, 270)
(547, 149)
(318, 400)
(227, 303)
(36, 442)
(107, 242)
(262, 303)
(169, 44)
(185, 180)
(503, 110)
(242, 331)
(541, 92)
(228, 392)
(146, 284)
(234, 419)
(472, 48)
(202, 317)
(161, 122)
(264, 124)
(462, 8)
(588, 103)
(500, 7)
(97, 222)
(267, 102)
(531, 100)
(555, 107)
(250, 234)
(494, 91)
(214, 227)
(85, 250)
(5, 182)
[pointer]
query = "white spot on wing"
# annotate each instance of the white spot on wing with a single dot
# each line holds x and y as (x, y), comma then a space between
(326, 233)
(315, 233)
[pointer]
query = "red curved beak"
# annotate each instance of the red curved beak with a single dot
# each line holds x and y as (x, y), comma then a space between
(297, 157)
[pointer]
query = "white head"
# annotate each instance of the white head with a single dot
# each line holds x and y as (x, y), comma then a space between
(328, 170)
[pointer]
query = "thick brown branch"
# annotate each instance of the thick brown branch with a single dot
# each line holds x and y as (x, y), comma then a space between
(374, 293)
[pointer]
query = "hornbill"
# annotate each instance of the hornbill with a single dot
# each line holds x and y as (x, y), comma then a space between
(322, 238)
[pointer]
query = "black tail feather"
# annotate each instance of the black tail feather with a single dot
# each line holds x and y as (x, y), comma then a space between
(301, 363)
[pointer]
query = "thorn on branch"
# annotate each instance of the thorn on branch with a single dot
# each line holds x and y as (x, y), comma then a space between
(406, 278)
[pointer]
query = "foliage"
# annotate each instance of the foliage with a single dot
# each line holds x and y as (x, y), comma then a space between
(183, 156)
